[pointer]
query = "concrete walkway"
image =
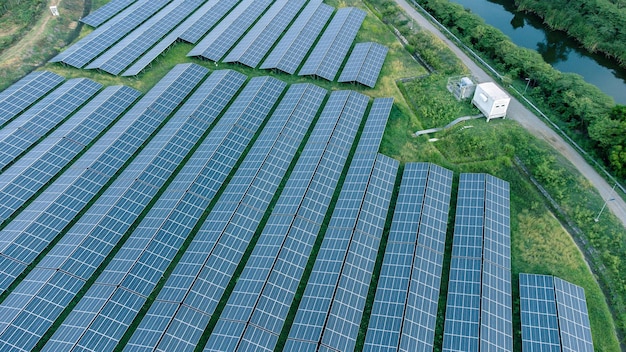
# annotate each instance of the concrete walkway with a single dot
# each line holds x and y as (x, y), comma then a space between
(530, 121)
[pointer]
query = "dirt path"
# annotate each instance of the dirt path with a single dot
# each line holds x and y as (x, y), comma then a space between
(23, 48)
(530, 121)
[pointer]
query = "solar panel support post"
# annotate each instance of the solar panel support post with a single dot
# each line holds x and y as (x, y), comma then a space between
(597, 218)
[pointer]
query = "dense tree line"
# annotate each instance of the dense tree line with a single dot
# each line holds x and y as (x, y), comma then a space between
(599, 25)
(584, 109)
(21, 10)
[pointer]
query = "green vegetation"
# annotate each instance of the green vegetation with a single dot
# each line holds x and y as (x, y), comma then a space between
(16, 16)
(599, 25)
(37, 38)
(575, 105)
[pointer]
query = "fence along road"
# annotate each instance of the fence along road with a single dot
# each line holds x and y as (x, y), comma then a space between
(530, 121)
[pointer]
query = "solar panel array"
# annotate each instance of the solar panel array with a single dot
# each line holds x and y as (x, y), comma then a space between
(150, 248)
(35, 169)
(540, 322)
(201, 21)
(221, 38)
(279, 258)
(253, 47)
(30, 231)
(554, 315)
(25, 92)
(478, 312)
(98, 41)
(364, 64)
(295, 44)
(404, 312)
(85, 246)
(328, 54)
(23, 132)
(134, 44)
(200, 278)
(107, 11)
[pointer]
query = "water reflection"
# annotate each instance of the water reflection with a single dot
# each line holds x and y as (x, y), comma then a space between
(556, 48)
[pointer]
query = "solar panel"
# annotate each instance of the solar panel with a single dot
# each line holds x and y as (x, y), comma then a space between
(221, 38)
(328, 54)
(253, 47)
(292, 48)
(462, 324)
(496, 317)
(573, 316)
(98, 41)
(23, 132)
(137, 42)
(107, 11)
(285, 243)
(144, 257)
(32, 229)
(540, 325)
(228, 228)
(35, 169)
(209, 15)
(91, 239)
(405, 307)
(364, 64)
(25, 92)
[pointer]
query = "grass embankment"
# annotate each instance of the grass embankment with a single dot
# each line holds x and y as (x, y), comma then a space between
(539, 243)
(42, 36)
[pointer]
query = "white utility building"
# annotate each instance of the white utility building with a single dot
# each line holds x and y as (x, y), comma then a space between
(491, 100)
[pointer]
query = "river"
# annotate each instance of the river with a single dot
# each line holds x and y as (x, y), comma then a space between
(560, 51)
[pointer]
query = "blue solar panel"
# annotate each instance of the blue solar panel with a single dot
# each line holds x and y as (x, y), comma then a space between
(29, 233)
(98, 41)
(25, 92)
(328, 54)
(137, 42)
(540, 325)
(293, 47)
(364, 64)
(405, 308)
(215, 45)
(228, 228)
(496, 317)
(284, 245)
(107, 11)
(253, 47)
(90, 240)
(35, 169)
(209, 13)
(23, 132)
(573, 317)
(145, 256)
(205, 18)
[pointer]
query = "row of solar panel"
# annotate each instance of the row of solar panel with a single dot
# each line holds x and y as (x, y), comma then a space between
(39, 295)
(478, 312)
(554, 315)
(137, 32)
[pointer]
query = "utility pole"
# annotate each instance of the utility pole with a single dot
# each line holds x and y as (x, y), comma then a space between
(606, 201)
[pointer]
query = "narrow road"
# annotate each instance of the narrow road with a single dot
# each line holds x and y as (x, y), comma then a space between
(530, 121)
